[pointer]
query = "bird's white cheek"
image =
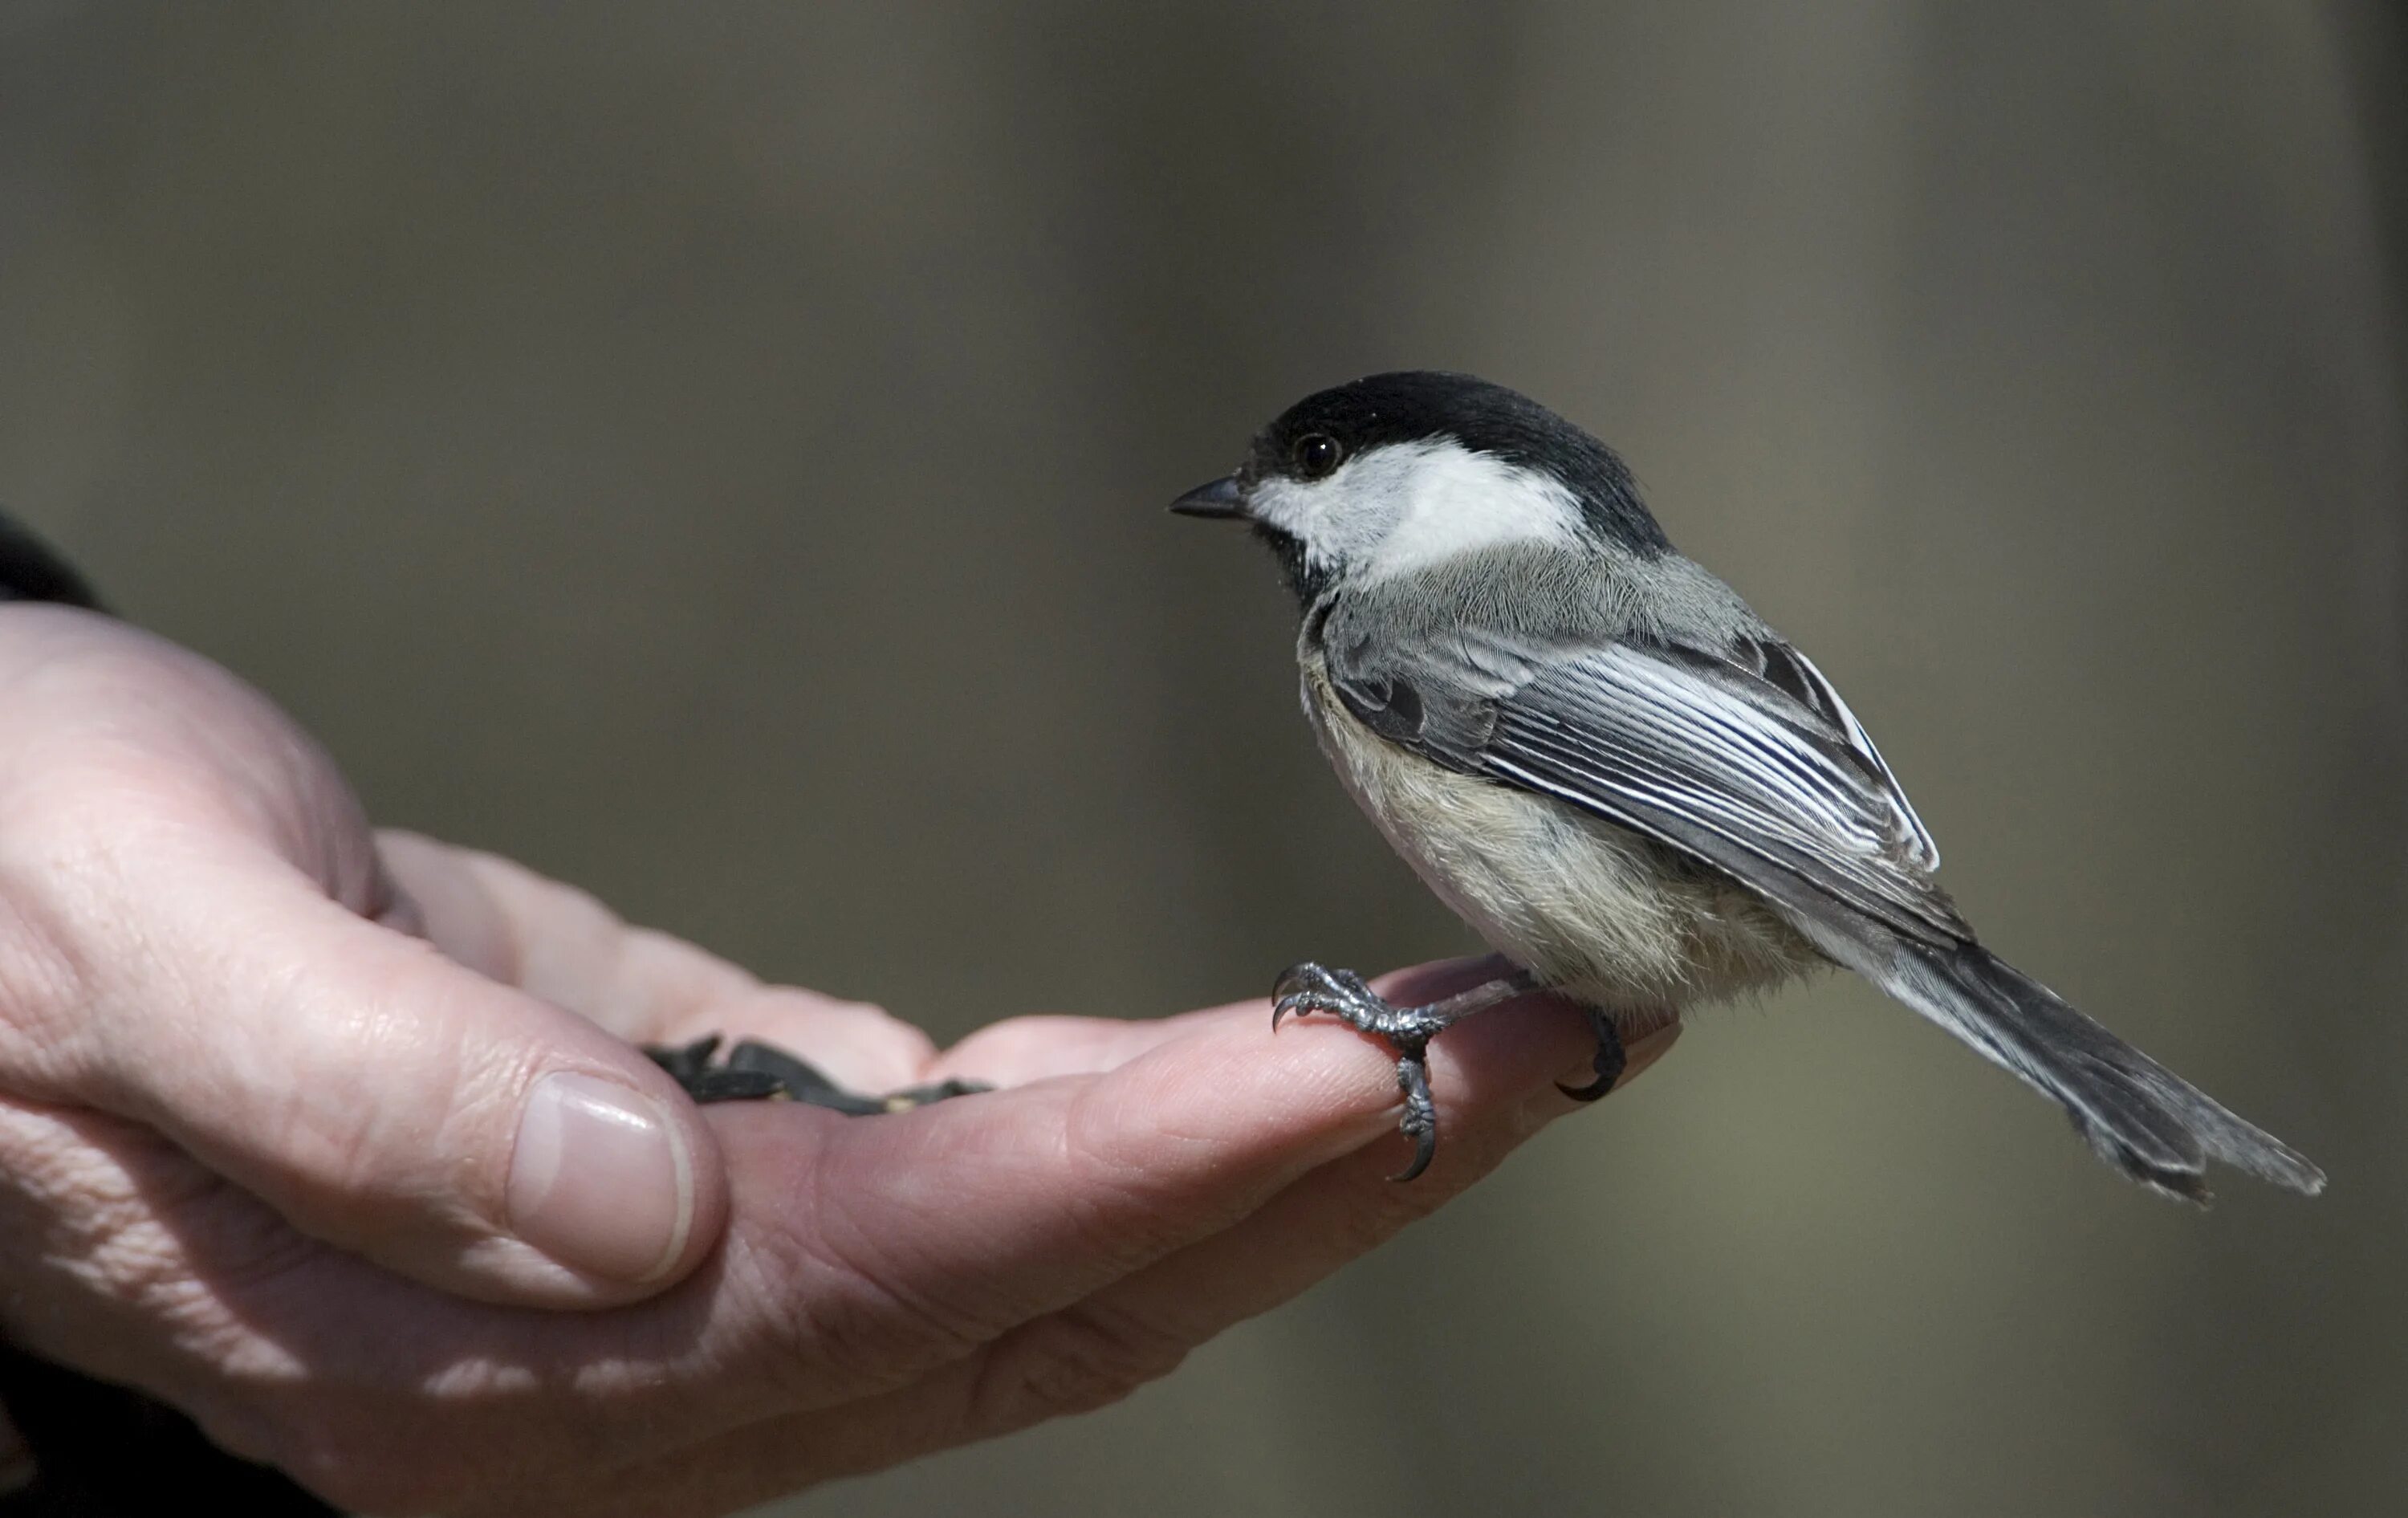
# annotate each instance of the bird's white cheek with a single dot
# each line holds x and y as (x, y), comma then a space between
(1287, 506)
(1335, 519)
(1394, 509)
(1444, 501)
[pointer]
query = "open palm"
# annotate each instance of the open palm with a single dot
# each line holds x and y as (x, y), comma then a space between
(263, 1076)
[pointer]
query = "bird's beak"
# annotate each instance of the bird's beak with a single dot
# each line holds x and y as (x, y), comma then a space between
(1221, 498)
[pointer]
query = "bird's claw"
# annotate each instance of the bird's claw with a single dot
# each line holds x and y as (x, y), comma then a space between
(1407, 1030)
(1314, 988)
(1345, 995)
(1608, 1063)
(1420, 1122)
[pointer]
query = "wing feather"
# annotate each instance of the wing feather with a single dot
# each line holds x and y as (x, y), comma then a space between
(1744, 756)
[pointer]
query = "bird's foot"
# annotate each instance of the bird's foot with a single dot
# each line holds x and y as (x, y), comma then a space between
(1343, 995)
(1408, 1030)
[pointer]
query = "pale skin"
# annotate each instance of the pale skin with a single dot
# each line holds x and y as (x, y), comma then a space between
(264, 1076)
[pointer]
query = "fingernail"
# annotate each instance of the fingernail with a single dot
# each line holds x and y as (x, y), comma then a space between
(1440, 978)
(601, 1182)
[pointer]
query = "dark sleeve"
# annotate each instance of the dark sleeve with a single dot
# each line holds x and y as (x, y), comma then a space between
(104, 1451)
(29, 571)
(99, 1450)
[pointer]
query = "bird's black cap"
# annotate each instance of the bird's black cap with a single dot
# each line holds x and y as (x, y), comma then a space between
(1422, 404)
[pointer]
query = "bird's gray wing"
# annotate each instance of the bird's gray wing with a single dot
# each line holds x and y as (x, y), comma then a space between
(1738, 752)
(1741, 755)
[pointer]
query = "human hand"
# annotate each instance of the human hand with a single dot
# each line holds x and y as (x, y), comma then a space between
(269, 1156)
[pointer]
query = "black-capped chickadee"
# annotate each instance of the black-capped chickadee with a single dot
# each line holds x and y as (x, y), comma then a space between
(1621, 778)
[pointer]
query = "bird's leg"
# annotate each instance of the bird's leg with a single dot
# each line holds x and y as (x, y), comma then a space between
(1408, 1030)
(1608, 1063)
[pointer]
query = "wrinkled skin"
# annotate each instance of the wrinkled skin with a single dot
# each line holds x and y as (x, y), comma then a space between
(261, 1075)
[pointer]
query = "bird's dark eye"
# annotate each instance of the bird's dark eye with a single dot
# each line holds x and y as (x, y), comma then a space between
(1317, 453)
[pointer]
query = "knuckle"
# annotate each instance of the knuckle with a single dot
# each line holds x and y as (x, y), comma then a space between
(41, 997)
(862, 1334)
(1127, 1211)
(46, 985)
(840, 1320)
(1074, 1361)
(81, 951)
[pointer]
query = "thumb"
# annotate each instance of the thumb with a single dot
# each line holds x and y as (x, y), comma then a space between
(388, 1100)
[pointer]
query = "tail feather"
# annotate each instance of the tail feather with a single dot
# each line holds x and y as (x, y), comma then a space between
(2139, 1116)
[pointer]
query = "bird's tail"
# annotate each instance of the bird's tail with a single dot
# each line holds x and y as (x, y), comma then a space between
(2140, 1117)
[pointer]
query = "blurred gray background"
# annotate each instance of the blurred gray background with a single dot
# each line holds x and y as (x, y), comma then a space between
(716, 454)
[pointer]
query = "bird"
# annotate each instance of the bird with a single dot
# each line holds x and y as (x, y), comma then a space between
(1636, 790)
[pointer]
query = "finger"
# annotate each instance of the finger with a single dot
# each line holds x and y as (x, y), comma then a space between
(386, 1099)
(1028, 1049)
(1494, 1089)
(1038, 1047)
(559, 943)
(865, 1253)
(1338, 1212)
(979, 1214)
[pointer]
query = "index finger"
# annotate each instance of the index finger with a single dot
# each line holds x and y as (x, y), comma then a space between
(910, 1241)
(1024, 1049)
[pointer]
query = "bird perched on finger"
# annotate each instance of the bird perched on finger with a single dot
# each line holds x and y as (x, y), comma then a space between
(1606, 763)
